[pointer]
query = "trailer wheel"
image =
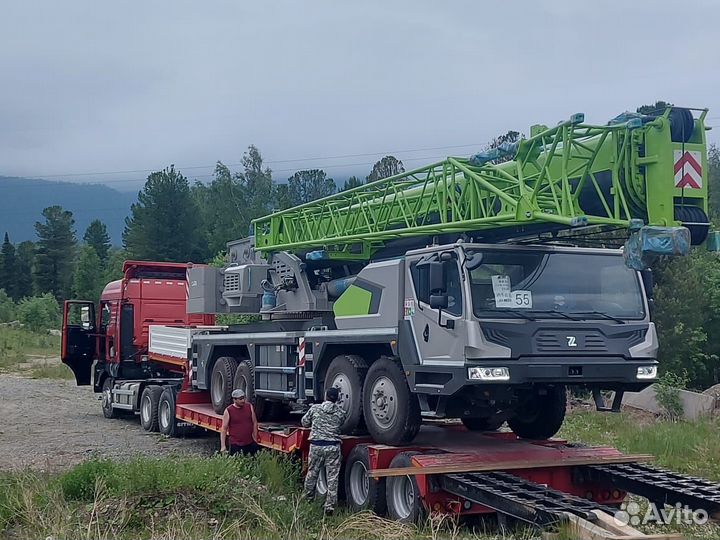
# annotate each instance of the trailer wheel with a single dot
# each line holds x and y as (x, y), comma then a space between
(107, 408)
(402, 492)
(363, 493)
(491, 423)
(346, 373)
(149, 401)
(541, 416)
(221, 383)
(245, 380)
(167, 422)
(392, 412)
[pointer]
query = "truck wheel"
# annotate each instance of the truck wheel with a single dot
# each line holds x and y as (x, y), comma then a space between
(392, 412)
(346, 373)
(107, 408)
(149, 401)
(541, 416)
(245, 380)
(363, 493)
(167, 422)
(221, 383)
(402, 493)
(482, 424)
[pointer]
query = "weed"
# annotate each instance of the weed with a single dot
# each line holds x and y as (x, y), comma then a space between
(667, 393)
(19, 344)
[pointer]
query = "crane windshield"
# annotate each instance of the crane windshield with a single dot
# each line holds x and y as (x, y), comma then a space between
(554, 284)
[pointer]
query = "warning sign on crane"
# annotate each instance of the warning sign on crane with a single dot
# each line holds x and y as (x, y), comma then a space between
(688, 169)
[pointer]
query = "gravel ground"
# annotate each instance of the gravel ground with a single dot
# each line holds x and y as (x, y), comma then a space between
(48, 424)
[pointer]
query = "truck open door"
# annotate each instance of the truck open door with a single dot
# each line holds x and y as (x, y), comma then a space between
(79, 335)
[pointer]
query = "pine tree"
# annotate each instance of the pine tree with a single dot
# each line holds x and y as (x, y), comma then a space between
(164, 224)
(114, 265)
(351, 183)
(97, 236)
(258, 184)
(89, 275)
(25, 257)
(8, 268)
(55, 253)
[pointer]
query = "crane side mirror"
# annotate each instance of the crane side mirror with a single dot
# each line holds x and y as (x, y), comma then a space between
(439, 301)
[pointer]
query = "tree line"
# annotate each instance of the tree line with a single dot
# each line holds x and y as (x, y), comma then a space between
(174, 220)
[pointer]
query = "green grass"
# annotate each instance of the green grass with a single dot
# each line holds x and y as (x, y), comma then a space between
(179, 498)
(19, 346)
(237, 498)
(52, 371)
(687, 447)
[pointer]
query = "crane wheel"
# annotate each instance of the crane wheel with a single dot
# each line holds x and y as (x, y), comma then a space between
(347, 373)
(245, 380)
(541, 416)
(391, 410)
(221, 383)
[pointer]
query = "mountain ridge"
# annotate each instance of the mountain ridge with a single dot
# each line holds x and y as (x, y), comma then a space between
(22, 201)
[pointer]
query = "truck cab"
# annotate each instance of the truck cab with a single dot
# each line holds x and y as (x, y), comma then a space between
(109, 340)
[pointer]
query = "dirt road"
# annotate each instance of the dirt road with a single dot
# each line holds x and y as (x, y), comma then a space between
(49, 424)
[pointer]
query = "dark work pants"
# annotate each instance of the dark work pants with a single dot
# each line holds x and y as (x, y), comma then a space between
(247, 450)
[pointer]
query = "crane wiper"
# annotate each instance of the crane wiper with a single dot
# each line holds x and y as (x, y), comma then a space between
(515, 312)
(552, 312)
(601, 314)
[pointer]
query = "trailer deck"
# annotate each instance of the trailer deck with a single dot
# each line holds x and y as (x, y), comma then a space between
(459, 472)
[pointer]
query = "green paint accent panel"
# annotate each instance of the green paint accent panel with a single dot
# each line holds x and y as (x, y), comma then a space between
(354, 301)
(572, 174)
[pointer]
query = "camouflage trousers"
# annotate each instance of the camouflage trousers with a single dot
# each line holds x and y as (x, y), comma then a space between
(328, 457)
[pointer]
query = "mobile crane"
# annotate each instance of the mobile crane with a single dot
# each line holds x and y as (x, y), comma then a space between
(414, 296)
(419, 297)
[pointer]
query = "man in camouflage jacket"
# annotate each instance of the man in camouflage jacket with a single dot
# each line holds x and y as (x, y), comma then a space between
(325, 420)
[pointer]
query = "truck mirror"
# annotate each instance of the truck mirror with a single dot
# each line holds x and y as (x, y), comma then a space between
(439, 301)
(648, 282)
(436, 279)
(474, 260)
(87, 316)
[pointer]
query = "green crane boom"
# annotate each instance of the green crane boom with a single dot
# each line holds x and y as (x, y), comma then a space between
(651, 168)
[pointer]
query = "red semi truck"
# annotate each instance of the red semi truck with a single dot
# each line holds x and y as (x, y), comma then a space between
(135, 348)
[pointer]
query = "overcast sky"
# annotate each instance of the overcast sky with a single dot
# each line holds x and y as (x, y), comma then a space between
(97, 86)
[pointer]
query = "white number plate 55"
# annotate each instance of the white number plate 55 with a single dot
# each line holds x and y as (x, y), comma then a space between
(522, 299)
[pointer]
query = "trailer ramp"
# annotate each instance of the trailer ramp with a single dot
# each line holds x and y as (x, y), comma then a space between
(660, 486)
(542, 506)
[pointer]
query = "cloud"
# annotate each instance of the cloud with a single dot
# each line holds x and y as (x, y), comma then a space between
(108, 86)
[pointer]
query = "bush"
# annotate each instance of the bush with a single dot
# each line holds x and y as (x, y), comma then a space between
(7, 307)
(667, 393)
(39, 312)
